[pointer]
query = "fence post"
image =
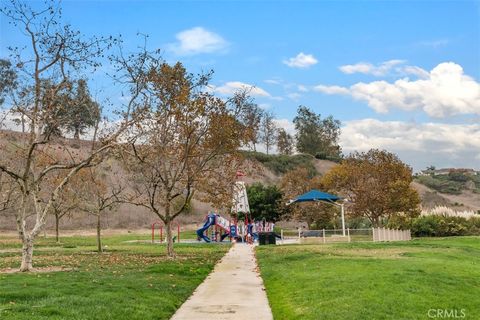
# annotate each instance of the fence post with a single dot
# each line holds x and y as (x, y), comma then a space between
(373, 234)
(281, 235)
(348, 233)
(323, 235)
(153, 233)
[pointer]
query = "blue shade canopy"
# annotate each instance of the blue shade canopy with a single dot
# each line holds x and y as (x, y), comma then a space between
(316, 195)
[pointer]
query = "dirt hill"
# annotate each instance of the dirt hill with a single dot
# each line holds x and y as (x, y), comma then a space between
(466, 200)
(268, 170)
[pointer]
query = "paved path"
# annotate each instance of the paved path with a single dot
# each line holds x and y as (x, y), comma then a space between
(234, 290)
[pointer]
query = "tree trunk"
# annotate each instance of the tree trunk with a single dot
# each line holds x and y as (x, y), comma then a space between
(168, 227)
(57, 222)
(76, 135)
(27, 255)
(99, 228)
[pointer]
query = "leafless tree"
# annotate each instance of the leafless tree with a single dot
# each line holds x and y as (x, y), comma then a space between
(268, 130)
(56, 53)
(99, 194)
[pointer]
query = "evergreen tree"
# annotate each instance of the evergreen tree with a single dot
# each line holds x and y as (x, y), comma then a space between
(84, 112)
(8, 78)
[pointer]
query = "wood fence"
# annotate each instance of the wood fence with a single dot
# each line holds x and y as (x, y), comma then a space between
(384, 234)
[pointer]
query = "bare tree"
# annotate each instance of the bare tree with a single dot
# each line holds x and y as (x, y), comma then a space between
(64, 205)
(67, 200)
(55, 54)
(99, 194)
(8, 192)
(268, 130)
(251, 117)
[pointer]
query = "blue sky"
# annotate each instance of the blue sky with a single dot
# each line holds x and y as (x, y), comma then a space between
(400, 75)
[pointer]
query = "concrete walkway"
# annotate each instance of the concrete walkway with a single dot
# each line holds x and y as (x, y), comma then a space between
(234, 290)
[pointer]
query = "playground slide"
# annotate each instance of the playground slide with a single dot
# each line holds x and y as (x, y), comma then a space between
(212, 220)
(208, 223)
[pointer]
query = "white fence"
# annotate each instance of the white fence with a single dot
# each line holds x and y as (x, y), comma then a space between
(325, 235)
(336, 235)
(383, 234)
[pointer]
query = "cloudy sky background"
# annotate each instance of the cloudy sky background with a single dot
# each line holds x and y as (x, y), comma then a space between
(401, 76)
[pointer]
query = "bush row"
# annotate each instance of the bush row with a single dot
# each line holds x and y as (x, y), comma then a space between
(439, 226)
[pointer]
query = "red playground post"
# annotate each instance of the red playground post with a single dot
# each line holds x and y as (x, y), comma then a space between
(160, 227)
(178, 233)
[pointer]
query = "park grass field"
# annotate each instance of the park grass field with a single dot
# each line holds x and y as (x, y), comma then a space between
(398, 280)
(131, 280)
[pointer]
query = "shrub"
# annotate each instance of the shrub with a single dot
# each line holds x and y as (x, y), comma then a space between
(281, 164)
(442, 226)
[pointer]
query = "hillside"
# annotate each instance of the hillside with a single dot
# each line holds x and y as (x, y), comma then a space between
(456, 188)
(267, 169)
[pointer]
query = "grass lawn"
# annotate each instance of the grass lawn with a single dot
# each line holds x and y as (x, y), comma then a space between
(129, 281)
(401, 280)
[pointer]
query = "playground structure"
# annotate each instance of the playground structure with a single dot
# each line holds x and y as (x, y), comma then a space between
(239, 231)
(160, 231)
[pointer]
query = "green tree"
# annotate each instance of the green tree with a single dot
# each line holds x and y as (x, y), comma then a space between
(284, 142)
(8, 78)
(377, 183)
(84, 112)
(316, 136)
(265, 202)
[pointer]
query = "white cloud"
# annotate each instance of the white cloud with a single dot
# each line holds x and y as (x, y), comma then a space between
(197, 40)
(295, 96)
(230, 88)
(443, 145)
(446, 91)
(265, 106)
(331, 89)
(301, 60)
(285, 124)
(395, 66)
(273, 81)
(302, 88)
(417, 71)
(368, 68)
(9, 121)
(434, 43)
